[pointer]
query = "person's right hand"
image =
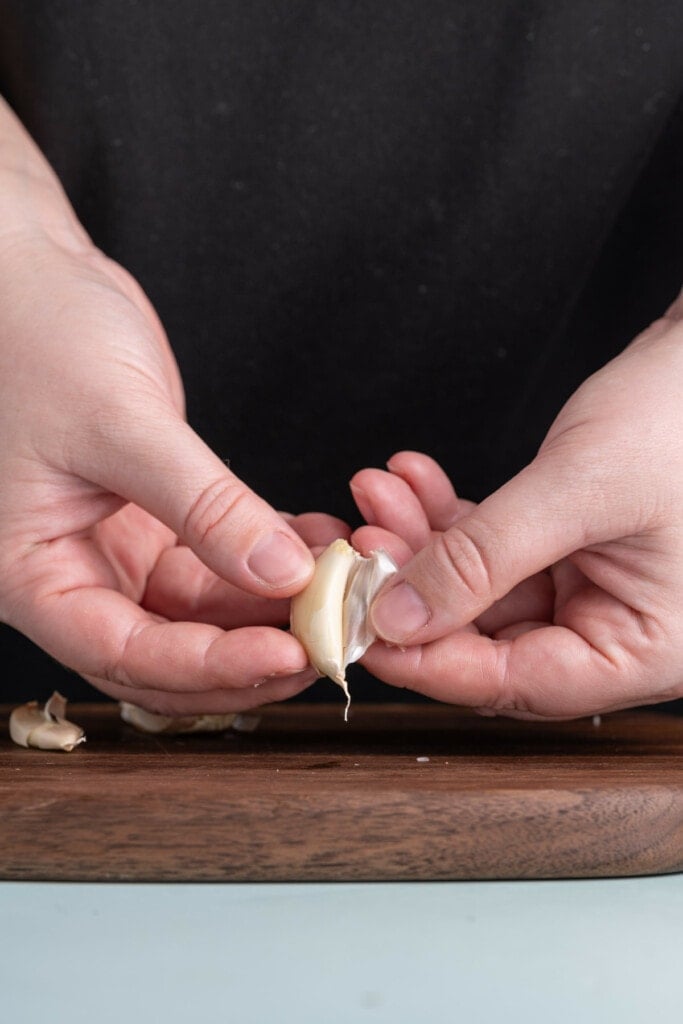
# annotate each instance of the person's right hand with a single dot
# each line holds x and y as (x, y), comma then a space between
(560, 595)
(128, 550)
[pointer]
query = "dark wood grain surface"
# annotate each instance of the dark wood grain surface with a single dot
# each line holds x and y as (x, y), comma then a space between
(306, 797)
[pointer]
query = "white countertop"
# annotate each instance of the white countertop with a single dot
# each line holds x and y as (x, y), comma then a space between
(551, 952)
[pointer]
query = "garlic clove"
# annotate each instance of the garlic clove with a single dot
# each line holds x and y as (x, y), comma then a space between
(330, 616)
(317, 619)
(45, 728)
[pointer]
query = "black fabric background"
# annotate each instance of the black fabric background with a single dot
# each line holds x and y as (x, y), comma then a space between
(366, 226)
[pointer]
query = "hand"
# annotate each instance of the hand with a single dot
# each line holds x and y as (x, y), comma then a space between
(128, 550)
(562, 593)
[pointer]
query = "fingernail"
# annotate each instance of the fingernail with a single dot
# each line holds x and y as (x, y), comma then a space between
(303, 676)
(400, 613)
(364, 506)
(287, 673)
(278, 561)
(309, 676)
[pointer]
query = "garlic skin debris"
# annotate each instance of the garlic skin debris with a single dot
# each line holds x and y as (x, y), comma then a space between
(148, 721)
(330, 616)
(45, 728)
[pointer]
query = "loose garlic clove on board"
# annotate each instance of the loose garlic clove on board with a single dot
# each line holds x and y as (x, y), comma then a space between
(330, 617)
(45, 728)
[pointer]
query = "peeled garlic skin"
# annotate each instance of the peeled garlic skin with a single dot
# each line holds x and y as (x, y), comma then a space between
(370, 576)
(23, 720)
(147, 721)
(46, 728)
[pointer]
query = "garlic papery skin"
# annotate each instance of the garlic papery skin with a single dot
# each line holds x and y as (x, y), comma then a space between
(45, 728)
(330, 616)
(366, 581)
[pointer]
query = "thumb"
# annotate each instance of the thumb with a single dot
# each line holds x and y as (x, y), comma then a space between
(540, 516)
(159, 463)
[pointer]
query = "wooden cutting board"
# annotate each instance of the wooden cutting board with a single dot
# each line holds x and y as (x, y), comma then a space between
(401, 792)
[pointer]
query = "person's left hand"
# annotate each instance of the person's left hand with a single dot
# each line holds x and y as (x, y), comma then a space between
(406, 508)
(561, 594)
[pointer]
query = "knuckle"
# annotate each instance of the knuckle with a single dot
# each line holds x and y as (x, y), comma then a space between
(216, 505)
(465, 558)
(512, 694)
(120, 669)
(508, 700)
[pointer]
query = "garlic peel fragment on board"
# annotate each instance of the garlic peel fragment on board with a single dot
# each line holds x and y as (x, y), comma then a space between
(149, 721)
(45, 728)
(330, 616)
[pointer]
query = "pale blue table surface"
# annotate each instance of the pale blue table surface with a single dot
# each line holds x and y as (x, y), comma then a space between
(551, 952)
